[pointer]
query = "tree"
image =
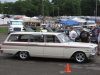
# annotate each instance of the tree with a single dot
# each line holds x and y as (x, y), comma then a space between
(0, 7)
(54, 8)
(68, 7)
(88, 7)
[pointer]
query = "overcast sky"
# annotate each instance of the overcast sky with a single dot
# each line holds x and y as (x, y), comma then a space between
(8, 0)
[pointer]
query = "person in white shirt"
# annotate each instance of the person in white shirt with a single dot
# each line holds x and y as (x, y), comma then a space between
(72, 34)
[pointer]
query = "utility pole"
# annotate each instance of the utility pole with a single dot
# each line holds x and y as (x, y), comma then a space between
(42, 7)
(58, 11)
(42, 11)
(1, 7)
(96, 10)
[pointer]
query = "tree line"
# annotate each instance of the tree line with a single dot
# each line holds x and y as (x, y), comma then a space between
(54, 8)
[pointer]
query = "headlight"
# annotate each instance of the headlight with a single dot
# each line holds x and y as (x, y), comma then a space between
(94, 50)
(11, 29)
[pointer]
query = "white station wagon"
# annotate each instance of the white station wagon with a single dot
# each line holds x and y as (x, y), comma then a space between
(47, 44)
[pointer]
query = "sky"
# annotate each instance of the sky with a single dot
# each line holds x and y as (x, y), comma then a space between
(8, 0)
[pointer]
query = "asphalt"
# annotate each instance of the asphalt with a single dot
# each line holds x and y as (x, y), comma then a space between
(10, 65)
(46, 66)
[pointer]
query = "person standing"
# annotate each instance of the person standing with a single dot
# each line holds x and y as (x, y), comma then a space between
(72, 34)
(94, 35)
(84, 35)
(98, 52)
(96, 32)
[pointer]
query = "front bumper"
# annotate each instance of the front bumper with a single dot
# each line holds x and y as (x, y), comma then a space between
(1, 51)
(92, 55)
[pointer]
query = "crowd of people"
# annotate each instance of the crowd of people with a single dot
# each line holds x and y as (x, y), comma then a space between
(92, 36)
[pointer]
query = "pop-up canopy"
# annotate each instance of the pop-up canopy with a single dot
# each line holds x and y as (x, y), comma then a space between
(79, 20)
(69, 22)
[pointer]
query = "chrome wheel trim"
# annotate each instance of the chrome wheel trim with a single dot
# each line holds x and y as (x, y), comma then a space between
(23, 55)
(80, 57)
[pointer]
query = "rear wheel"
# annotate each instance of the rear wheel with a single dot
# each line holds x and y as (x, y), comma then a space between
(23, 55)
(80, 57)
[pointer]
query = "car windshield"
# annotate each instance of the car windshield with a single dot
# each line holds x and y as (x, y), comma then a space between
(16, 23)
(64, 38)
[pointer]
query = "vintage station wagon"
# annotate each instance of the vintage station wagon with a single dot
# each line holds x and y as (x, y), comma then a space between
(47, 44)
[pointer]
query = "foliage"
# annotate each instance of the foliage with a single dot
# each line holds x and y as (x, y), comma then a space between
(88, 7)
(54, 8)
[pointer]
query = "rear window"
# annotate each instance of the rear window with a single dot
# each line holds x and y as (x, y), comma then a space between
(51, 38)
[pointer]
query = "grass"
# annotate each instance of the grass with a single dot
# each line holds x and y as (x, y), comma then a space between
(3, 29)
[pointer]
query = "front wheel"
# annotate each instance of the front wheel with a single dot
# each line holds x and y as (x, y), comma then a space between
(23, 55)
(80, 57)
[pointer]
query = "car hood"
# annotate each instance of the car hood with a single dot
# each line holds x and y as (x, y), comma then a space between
(81, 44)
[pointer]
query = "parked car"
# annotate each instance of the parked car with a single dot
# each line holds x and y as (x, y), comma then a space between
(15, 25)
(47, 44)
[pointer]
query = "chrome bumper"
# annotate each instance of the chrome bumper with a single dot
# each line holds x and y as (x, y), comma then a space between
(1, 51)
(92, 55)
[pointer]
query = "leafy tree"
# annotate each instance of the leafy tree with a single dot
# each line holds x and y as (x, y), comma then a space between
(88, 7)
(0, 7)
(54, 8)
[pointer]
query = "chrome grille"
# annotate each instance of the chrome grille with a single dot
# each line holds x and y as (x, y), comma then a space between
(17, 29)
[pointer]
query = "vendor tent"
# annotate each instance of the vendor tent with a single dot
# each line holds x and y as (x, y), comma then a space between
(79, 20)
(69, 22)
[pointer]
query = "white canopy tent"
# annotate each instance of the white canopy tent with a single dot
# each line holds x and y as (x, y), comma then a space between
(81, 21)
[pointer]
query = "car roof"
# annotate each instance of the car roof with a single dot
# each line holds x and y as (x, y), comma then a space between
(16, 20)
(50, 33)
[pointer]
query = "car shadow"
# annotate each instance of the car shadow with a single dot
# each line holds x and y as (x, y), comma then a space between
(48, 60)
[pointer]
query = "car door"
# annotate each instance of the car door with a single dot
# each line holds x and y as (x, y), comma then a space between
(53, 47)
(36, 45)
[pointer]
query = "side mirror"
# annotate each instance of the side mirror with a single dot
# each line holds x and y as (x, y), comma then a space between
(24, 29)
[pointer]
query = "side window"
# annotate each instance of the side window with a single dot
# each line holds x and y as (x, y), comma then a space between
(13, 38)
(36, 38)
(19, 38)
(51, 38)
(23, 38)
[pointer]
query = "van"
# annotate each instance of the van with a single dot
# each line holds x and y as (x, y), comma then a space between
(15, 25)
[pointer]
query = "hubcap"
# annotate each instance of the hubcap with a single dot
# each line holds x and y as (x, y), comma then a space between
(80, 57)
(23, 55)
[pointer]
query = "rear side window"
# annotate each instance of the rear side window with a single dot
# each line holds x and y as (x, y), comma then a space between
(19, 38)
(51, 38)
(36, 38)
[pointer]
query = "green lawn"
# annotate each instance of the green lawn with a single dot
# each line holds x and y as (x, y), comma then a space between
(3, 29)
